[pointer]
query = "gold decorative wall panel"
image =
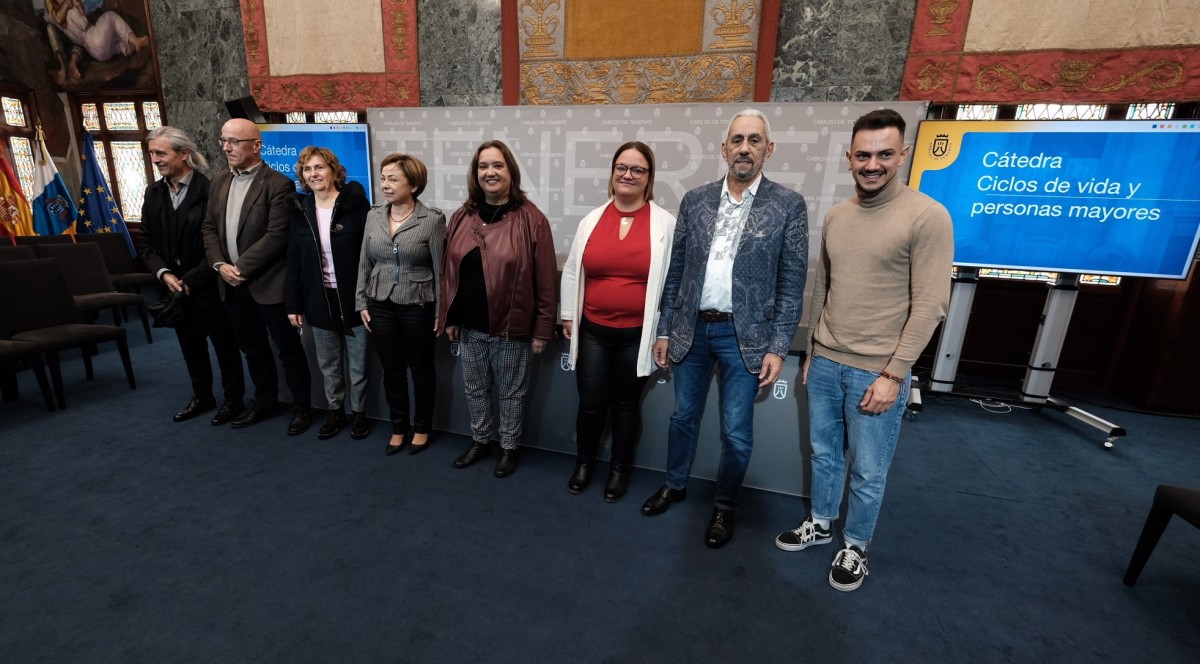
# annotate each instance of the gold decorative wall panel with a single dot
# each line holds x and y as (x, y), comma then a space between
(634, 51)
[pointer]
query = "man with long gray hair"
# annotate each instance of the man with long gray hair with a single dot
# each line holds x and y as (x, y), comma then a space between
(173, 249)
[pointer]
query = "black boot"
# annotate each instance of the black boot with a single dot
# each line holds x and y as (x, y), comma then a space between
(582, 476)
(618, 482)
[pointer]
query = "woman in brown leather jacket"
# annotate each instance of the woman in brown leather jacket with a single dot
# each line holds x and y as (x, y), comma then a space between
(499, 298)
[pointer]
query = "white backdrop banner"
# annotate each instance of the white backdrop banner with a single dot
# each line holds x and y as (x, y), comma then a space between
(564, 154)
(565, 151)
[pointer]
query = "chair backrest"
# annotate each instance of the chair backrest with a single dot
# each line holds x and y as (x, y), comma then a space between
(44, 239)
(24, 253)
(113, 248)
(82, 264)
(34, 296)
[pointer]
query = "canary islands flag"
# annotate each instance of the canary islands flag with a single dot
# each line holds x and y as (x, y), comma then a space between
(53, 209)
(98, 211)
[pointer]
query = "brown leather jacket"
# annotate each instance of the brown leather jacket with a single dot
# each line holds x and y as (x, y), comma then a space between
(520, 271)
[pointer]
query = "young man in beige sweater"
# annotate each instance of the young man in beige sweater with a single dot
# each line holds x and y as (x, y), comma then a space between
(882, 287)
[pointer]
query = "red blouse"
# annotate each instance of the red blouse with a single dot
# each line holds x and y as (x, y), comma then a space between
(614, 290)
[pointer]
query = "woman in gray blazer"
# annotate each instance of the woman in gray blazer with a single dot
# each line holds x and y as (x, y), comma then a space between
(398, 283)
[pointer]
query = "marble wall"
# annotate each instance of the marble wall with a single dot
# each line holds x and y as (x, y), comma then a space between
(841, 50)
(202, 57)
(460, 52)
(828, 50)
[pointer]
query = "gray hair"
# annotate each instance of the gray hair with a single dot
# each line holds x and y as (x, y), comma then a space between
(751, 113)
(180, 141)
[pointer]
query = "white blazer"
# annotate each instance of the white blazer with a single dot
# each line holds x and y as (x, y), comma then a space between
(662, 230)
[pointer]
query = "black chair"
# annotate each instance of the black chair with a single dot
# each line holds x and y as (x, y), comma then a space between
(12, 355)
(1168, 501)
(28, 240)
(88, 281)
(121, 269)
(21, 253)
(41, 311)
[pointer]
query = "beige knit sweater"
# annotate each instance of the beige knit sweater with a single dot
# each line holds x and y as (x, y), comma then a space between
(883, 279)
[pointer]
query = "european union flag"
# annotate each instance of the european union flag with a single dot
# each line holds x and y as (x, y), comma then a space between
(98, 210)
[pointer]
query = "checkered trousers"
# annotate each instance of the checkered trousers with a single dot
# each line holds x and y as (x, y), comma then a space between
(499, 366)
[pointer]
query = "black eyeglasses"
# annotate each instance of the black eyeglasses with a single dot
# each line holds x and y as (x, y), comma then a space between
(637, 171)
(221, 142)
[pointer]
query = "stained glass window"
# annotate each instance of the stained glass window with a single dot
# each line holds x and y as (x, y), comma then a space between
(335, 117)
(977, 112)
(120, 116)
(150, 112)
(91, 119)
(297, 118)
(1061, 111)
(130, 161)
(1150, 111)
(1017, 275)
(1099, 279)
(14, 115)
(23, 160)
(1048, 277)
(102, 157)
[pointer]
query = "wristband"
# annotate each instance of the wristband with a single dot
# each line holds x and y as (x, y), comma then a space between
(891, 377)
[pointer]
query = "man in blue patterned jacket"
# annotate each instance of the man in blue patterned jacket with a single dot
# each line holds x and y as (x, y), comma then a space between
(732, 298)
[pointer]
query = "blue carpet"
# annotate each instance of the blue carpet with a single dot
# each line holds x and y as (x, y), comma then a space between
(127, 538)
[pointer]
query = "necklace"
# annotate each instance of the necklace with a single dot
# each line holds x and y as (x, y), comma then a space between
(499, 209)
(625, 221)
(400, 220)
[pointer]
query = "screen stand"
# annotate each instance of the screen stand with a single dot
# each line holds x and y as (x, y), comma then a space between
(1047, 347)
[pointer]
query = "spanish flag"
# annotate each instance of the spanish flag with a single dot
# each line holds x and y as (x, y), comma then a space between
(15, 216)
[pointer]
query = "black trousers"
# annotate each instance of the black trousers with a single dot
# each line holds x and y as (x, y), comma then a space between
(610, 391)
(194, 346)
(404, 338)
(252, 323)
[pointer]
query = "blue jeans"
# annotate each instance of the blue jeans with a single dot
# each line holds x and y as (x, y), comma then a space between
(713, 343)
(834, 392)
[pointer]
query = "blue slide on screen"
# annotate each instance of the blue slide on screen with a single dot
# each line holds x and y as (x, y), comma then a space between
(1097, 197)
(282, 144)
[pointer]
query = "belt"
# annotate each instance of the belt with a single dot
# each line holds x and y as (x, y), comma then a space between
(713, 316)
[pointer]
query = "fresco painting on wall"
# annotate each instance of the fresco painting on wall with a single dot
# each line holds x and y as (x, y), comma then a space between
(98, 44)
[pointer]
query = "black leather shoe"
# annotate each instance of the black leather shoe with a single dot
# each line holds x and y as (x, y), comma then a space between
(507, 463)
(582, 475)
(194, 408)
(301, 420)
(662, 499)
(720, 529)
(360, 426)
(334, 421)
(227, 411)
(395, 449)
(476, 452)
(417, 449)
(255, 414)
(618, 482)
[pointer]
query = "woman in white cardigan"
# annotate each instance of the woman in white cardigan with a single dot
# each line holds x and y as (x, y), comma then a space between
(611, 285)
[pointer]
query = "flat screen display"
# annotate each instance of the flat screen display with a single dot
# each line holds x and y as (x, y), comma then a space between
(1096, 197)
(282, 144)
